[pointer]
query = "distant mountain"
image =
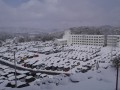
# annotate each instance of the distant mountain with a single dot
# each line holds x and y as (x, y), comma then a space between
(57, 34)
(5, 35)
(40, 34)
(21, 30)
(27, 30)
(101, 30)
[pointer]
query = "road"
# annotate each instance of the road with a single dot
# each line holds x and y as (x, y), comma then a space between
(11, 65)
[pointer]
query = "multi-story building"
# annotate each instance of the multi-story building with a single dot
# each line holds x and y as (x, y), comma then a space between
(84, 39)
(78, 39)
(113, 40)
(97, 40)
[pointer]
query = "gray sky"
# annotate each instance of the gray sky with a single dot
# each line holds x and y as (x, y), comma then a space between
(50, 14)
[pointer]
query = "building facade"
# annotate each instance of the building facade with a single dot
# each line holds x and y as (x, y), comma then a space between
(96, 40)
(113, 40)
(61, 42)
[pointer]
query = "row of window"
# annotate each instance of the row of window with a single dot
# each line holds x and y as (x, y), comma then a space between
(87, 39)
(88, 36)
(88, 44)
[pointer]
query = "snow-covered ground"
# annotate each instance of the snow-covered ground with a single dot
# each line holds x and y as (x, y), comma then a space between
(89, 67)
(102, 79)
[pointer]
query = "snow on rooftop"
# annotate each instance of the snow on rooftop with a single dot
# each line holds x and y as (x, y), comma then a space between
(28, 77)
(62, 39)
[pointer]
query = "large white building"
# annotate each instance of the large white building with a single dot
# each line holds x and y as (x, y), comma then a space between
(84, 39)
(113, 40)
(87, 40)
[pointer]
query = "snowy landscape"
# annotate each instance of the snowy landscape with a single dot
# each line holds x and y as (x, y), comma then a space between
(59, 44)
(42, 65)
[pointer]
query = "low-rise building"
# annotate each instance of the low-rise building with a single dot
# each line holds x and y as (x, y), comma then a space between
(61, 42)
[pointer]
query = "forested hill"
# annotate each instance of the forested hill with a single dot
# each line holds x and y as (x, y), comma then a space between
(101, 30)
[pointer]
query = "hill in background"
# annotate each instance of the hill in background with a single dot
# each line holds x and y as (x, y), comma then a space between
(101, 30)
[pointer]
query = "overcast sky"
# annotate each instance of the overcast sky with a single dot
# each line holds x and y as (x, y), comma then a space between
(51, 14)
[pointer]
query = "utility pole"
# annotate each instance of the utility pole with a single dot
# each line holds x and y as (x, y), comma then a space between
(15, 68)
(117, 67)
(112, 46)
(117, 77)
(38, 49)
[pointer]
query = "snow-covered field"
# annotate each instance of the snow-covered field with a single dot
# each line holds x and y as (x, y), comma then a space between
(89, 67)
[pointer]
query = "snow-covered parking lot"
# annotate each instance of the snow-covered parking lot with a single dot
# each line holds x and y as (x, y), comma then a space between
(88, 62)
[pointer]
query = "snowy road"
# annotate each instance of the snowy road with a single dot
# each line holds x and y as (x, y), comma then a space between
(32, 70)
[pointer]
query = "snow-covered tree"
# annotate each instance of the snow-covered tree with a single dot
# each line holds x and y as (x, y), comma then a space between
(116, 64)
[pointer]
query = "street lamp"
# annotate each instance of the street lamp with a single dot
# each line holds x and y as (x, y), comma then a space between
(14, 52)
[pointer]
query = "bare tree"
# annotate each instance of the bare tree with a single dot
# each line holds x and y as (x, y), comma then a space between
(116, 64)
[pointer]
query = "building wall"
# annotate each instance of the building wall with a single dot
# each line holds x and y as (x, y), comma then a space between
(67, 36)
(61, 42)
(113, 40)
(96, 40)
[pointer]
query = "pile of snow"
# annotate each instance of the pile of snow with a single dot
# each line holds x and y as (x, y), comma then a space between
(79, 77)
